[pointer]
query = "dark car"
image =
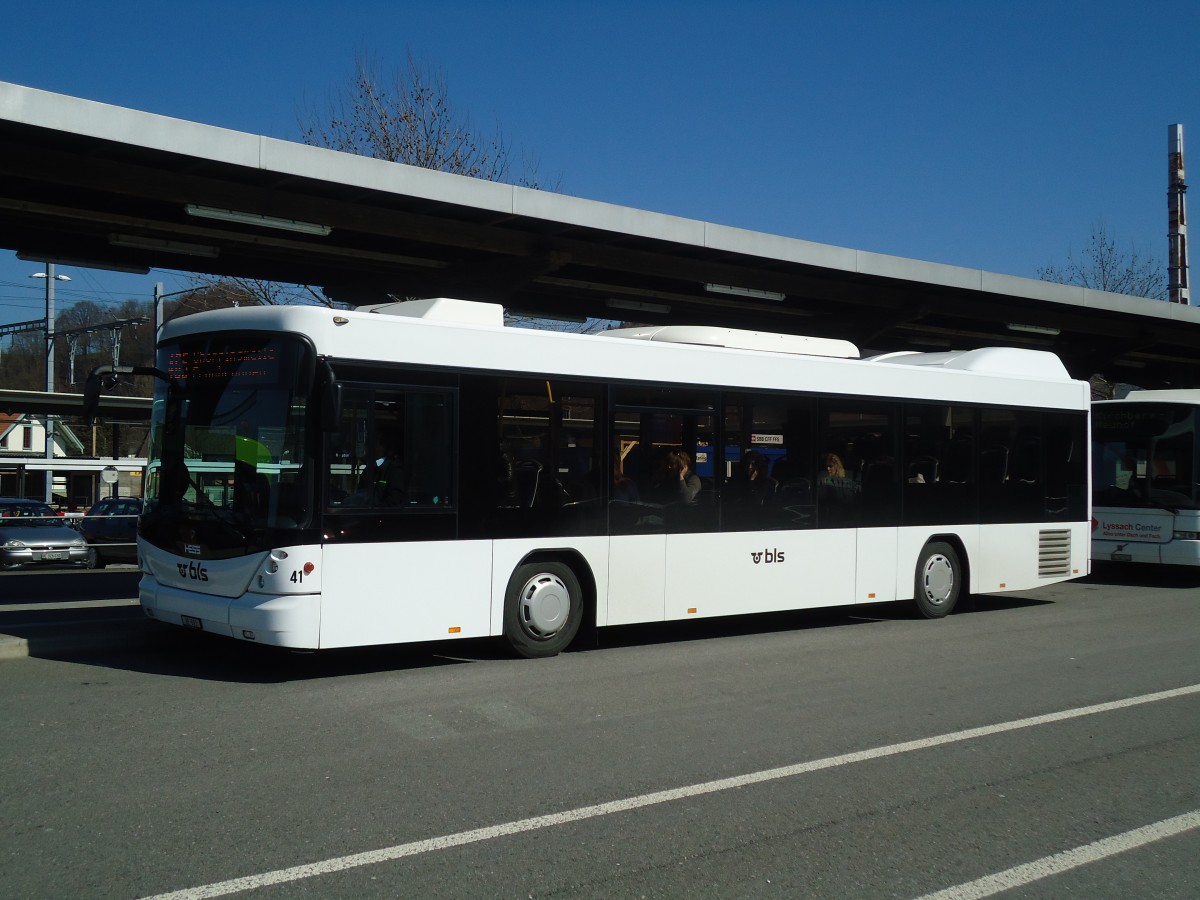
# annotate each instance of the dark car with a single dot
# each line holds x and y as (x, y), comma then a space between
(32, 533)
(110, 528)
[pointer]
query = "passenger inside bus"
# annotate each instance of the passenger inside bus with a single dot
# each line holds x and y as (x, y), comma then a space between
(838, 495)
(689, 482)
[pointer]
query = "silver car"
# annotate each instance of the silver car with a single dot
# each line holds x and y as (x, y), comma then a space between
(31, 532)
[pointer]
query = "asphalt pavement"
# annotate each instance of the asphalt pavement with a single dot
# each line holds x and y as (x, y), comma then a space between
(1042, 743)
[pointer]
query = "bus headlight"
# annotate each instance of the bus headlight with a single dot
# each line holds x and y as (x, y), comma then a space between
(1187, 535)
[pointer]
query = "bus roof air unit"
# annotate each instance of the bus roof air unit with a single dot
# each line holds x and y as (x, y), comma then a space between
(995, 360)
(442, 309)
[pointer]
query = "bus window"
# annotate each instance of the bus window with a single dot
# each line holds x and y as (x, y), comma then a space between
(532, 461)
(939, 464)
(768, 477)
(392, 451)
(1011, 487)
(862, 434)
(653, 430)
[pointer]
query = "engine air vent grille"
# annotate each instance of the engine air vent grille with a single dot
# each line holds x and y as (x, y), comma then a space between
(1054, 553)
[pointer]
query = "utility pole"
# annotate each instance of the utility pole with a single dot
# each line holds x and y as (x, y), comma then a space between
(1177, 267)
(50, 277)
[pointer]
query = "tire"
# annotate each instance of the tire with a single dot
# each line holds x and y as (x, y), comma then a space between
(543, 608)
(93, 560)
(939, 580)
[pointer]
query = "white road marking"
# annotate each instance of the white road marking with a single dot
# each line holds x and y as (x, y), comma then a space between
(1068, 859)
(386, 854)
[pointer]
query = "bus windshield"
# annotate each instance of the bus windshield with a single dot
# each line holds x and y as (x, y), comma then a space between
(229, 467)
(1143, 456)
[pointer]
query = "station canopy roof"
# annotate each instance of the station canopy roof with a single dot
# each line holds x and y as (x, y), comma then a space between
(86, 183)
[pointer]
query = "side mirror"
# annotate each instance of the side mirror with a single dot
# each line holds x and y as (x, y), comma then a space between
(91, 398)
(108, 377)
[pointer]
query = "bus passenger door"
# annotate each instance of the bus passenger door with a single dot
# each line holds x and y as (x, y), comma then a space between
(662, 484)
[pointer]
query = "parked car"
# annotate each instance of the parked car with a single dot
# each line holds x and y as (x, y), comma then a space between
(110, 528)
(32, 533)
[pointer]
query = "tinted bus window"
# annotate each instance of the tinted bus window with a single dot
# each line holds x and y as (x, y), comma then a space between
(769, 466)
(664, 461)
(860, 484)
(939, 464)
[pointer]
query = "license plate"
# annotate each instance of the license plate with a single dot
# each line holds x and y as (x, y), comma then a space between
(190, 622)
(1122, 557)
(52, 555)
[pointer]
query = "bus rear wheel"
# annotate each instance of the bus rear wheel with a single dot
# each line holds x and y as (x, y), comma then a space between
(542, 609)
(939, 580)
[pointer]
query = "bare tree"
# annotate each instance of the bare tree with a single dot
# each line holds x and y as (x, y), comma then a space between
(1104, 266)
(406, 117)
(235, 291)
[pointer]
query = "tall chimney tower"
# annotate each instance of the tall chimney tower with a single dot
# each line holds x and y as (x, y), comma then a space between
(1177, 266)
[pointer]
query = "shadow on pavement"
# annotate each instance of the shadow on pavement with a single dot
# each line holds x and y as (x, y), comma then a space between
(56, 585)
(1141, 575)
(797, 620)
(120, 637)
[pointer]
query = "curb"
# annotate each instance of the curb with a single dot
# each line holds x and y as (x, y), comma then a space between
(13, 647)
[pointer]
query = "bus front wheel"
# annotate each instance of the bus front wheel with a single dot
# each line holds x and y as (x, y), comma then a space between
(939, 580)
(542, 609)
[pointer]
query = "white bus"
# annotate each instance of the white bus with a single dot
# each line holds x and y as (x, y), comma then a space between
(418, 471)
(1145, 486)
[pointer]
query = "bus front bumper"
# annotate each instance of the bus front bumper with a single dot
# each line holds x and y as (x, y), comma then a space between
(292, 621)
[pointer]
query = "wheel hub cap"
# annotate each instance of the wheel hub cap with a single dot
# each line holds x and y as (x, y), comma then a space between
(939, 579)
(545, 603)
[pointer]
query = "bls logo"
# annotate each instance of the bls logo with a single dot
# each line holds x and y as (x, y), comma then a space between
(192, 570)
(766, 556)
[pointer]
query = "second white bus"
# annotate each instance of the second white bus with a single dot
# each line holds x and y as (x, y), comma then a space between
(1146, 493)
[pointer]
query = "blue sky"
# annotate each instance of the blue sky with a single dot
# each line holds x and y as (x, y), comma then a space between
(985, 135)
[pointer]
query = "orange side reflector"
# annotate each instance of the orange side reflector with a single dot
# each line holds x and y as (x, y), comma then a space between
(871, 596)
(1003, 584)
(454, 629)
(691, 609)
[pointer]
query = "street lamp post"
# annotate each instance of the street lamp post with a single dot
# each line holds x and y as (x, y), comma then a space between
(50, 277)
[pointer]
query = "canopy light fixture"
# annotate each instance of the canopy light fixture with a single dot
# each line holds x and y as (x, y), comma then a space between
(249, 218)
(184, 248)
(1033, 329)
(744, 292)
(637, 305)
(82, 263)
